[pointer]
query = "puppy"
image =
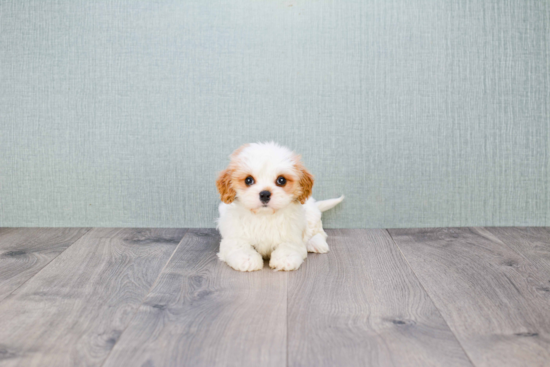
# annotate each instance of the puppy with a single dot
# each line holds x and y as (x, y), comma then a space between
(266, 210)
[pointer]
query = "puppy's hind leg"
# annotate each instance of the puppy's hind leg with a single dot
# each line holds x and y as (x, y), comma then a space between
(318, 244)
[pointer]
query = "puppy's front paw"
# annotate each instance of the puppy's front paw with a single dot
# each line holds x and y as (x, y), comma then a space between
(285, 261)
(317, 244)
(245, 261)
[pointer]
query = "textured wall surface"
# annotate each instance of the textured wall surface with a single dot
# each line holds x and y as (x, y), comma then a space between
(424, 113)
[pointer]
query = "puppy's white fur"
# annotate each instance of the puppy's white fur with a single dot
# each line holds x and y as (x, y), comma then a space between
(285, 228)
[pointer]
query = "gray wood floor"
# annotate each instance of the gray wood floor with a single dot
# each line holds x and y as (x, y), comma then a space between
(160, 297)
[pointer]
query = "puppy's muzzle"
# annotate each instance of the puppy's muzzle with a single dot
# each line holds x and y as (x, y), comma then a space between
(265, 196)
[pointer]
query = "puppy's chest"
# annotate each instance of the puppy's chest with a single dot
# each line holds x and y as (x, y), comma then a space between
(268, 231)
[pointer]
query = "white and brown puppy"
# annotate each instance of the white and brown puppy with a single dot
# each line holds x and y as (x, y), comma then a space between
(266, 210)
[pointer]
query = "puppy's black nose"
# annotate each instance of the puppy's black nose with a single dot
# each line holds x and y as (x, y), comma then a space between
(265, 196)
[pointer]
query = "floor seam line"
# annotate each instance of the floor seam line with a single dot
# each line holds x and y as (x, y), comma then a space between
(430, 297)
(145, 297)
(48, 263)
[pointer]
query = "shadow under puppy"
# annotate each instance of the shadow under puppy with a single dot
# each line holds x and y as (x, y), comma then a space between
(266, 209)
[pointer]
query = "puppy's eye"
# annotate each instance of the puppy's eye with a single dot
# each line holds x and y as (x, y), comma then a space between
(249, 181)
(281, 181)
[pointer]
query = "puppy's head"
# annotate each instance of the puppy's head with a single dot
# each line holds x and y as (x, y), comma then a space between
(264, 177)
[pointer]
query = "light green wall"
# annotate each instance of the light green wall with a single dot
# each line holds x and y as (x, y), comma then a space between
(423, 113)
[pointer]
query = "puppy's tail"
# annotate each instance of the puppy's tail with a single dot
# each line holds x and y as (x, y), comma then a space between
(328, 204)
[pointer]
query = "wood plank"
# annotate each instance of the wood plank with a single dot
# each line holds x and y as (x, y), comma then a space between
(531, 242)
(203, 313)
(361, 305)
(490, 295)
(74, 310)
(25, 251)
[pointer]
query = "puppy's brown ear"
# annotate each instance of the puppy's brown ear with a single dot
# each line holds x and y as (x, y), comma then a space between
(306, 183)
(224, 186)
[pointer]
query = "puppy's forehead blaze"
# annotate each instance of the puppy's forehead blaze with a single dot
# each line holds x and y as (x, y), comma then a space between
(259, 156)
(260, 167)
